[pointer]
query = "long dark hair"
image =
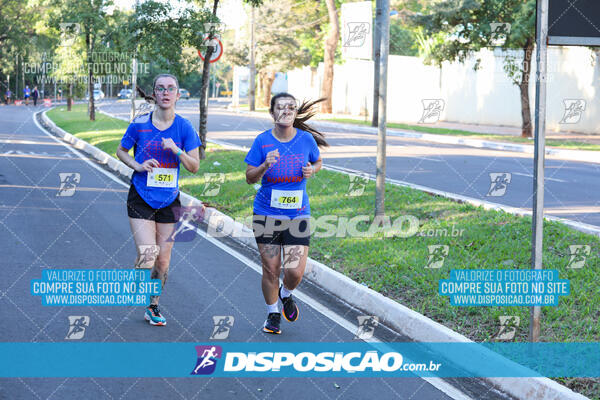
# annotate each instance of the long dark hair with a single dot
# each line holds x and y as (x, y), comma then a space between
(150, 98)
(304, 113)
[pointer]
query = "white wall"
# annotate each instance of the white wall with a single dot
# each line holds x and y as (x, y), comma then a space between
(485, 96)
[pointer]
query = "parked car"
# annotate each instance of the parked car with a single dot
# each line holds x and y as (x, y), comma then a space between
(124, 94)
(184, 94)
(98, 95)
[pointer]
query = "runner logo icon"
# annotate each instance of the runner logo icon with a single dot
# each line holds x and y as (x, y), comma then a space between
(207, 359)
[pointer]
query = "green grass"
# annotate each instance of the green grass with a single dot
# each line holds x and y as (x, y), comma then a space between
(105, 132)
(567, 144)
(395, 266)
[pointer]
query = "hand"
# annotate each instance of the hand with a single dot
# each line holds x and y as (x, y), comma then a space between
(147, 165)
(272, 158)
(308, 170)
(169, 144)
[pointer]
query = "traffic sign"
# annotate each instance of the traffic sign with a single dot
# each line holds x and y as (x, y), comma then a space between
(574, 23)
(217, 51)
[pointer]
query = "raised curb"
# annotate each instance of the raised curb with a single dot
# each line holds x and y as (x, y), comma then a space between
(573, 155)
(410, 323)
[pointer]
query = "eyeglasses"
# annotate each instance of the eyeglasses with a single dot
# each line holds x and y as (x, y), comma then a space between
(291, 107)
(161, 89)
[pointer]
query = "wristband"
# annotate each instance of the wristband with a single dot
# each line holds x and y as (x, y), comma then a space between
(179, 152)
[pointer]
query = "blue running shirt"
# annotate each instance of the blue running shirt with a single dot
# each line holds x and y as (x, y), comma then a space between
(146, 140)
(283, 190)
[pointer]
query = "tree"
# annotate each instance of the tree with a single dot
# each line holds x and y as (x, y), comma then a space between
(21, 37)
(282, 42)
(210, 35)
(91, 16)
(467, 26)
(329, 55)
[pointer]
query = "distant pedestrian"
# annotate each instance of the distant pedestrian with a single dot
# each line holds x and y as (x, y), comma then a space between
(8, 96)
(26, 94)
(35, 94)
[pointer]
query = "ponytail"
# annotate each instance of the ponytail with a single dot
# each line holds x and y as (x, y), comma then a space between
(304, 113)
(150, 99)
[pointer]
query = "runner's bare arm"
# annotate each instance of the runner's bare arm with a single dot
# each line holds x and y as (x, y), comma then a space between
(253, 174)
(191, 160)
(310, 169)
(318, 164)
(123, 155)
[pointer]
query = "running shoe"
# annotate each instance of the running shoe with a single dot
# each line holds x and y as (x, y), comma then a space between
(272, 324)
(154, 316)
(290, 309)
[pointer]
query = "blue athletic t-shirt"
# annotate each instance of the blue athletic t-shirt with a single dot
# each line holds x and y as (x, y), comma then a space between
(285, 176)
(147, 142)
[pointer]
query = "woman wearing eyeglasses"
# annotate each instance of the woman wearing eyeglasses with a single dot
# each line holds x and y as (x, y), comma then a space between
(162, 140)
(283, 158)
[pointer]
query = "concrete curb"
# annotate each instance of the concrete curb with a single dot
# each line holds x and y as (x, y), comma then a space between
(401, 318)
(573, 155)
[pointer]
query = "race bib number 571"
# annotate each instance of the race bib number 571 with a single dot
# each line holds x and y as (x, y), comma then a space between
(162, 177)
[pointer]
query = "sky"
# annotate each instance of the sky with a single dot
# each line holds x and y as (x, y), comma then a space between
(231, 12)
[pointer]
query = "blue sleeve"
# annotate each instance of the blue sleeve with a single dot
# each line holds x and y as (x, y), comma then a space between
(314, 153)
(190, 138)
(130, 137)
(255, 156)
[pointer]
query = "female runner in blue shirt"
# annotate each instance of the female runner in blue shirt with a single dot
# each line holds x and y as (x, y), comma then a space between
(284, 157)
(162, 140)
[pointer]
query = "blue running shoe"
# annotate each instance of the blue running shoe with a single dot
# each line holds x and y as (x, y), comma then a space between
(154, 316)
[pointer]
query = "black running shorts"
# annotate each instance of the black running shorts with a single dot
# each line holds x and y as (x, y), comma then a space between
(138, 208)
(284, 232)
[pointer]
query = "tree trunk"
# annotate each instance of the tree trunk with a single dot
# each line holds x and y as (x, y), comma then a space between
(204, 89)
(90, 48)
(267, 82)
(70, 98)
(526, 128)
(329, 56)
(259, 88)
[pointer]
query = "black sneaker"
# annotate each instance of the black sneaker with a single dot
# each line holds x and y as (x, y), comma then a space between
(272, 323)
(290, 309)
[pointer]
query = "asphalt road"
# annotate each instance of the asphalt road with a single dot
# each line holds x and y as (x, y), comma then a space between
(571, 187)
(40, 230)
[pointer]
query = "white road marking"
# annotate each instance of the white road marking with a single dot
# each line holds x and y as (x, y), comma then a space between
(545, 178)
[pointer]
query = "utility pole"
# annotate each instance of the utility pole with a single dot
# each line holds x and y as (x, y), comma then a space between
(376, 56)
(252, 73)
(381, 133)
(16, 76)
(133, 85)
(134, 70)
(541, 55)
(43, 94)
(23, 75)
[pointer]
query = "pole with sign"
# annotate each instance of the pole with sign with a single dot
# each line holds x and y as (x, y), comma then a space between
(541, 55)
(564, 23)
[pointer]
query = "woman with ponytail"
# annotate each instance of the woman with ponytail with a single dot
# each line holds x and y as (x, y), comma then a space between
(162, 140)
(283, 158)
